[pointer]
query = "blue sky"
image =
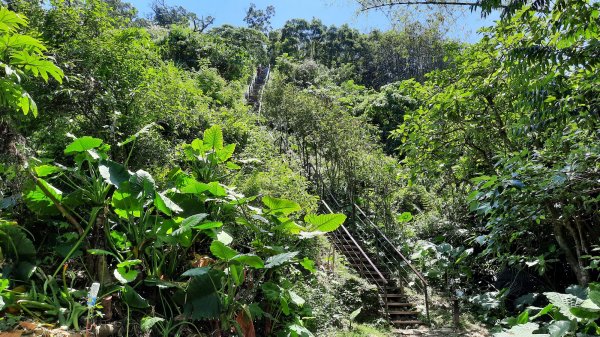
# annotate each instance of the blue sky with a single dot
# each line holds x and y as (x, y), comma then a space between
(336, 12)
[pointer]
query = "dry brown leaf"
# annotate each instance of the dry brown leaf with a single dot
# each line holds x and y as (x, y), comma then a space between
(246, 324)
(28, 325)
(11, 334)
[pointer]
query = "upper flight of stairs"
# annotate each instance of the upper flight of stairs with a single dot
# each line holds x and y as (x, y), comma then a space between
(364, 246)
(254, 92)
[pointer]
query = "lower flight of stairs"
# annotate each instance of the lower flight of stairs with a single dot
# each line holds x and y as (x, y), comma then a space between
(400, 311)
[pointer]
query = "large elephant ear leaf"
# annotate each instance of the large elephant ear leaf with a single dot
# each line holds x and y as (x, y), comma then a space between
(166, 205)
(279, 259)
(221, 251)
(564, 303)
(83, 144)
(226, 152)
(280, 206)
(213, 138)
(521, 330)
(38, 198)
(202, 297)
(325, 222)
(594, 294)
(15, 245)
(113, 173)
(133, 299)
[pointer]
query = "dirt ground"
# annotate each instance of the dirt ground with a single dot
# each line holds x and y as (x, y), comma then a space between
(442, 332)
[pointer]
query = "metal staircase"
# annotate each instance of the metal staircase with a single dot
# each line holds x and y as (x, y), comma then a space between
(255, 88)
(366, 248)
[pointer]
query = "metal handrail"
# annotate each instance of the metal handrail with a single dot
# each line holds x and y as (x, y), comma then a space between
(394, 249)
(358, 246)
(250, 86)
(262, 89)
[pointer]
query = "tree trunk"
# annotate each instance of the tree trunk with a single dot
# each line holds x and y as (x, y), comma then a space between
(574, 259)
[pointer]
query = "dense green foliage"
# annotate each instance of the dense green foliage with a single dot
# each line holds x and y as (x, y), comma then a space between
(130, 156)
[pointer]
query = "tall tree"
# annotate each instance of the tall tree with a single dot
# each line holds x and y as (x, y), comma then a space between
(165, 15)
(260, 19)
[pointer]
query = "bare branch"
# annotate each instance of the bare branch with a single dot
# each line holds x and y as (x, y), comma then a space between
(425, 2)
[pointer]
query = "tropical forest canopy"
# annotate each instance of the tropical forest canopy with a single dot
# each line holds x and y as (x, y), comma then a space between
(134, 154)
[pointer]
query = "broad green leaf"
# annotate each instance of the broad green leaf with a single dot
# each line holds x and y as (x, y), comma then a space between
(46, 170)
(237, 273)
(166, 205)
(202, 297)
(279, 259)
(280, 206)
(521, 330)
(594, 296)
(129, 263)
(148, 322)
(290, 227)
(271, 290)
(208, 225)
(220, 250)
(585, 313)
(101, 252)
(308, 264)
(544, 311)
(126, 205)
(590, 305)
(125, 276)
(249, 260)
(559, 328)
(55, 192)
(224, 237)
(40, 200)
(225, 153)
(83, 144)
(113, 173)
(196, 272)
(216, 189)
(299, 331)
(142, 181)
(296, 299)
(325, 222)
(355, 314)
(213, 137)
(523, 317)
(133, 299)
(188, 223)
(564, 302)
(194, 187)
(193, 220)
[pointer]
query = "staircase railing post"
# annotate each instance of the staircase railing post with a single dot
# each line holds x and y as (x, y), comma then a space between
(426, 290)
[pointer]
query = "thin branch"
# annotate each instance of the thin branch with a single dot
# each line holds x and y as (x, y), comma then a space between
(424, 2)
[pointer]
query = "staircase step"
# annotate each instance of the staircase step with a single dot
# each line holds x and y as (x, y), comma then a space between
(400, 304)
(404, 313)
(411, 322)
(395, 295)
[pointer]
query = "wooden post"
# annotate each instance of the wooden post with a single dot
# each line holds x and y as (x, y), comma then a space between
(455, 313)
